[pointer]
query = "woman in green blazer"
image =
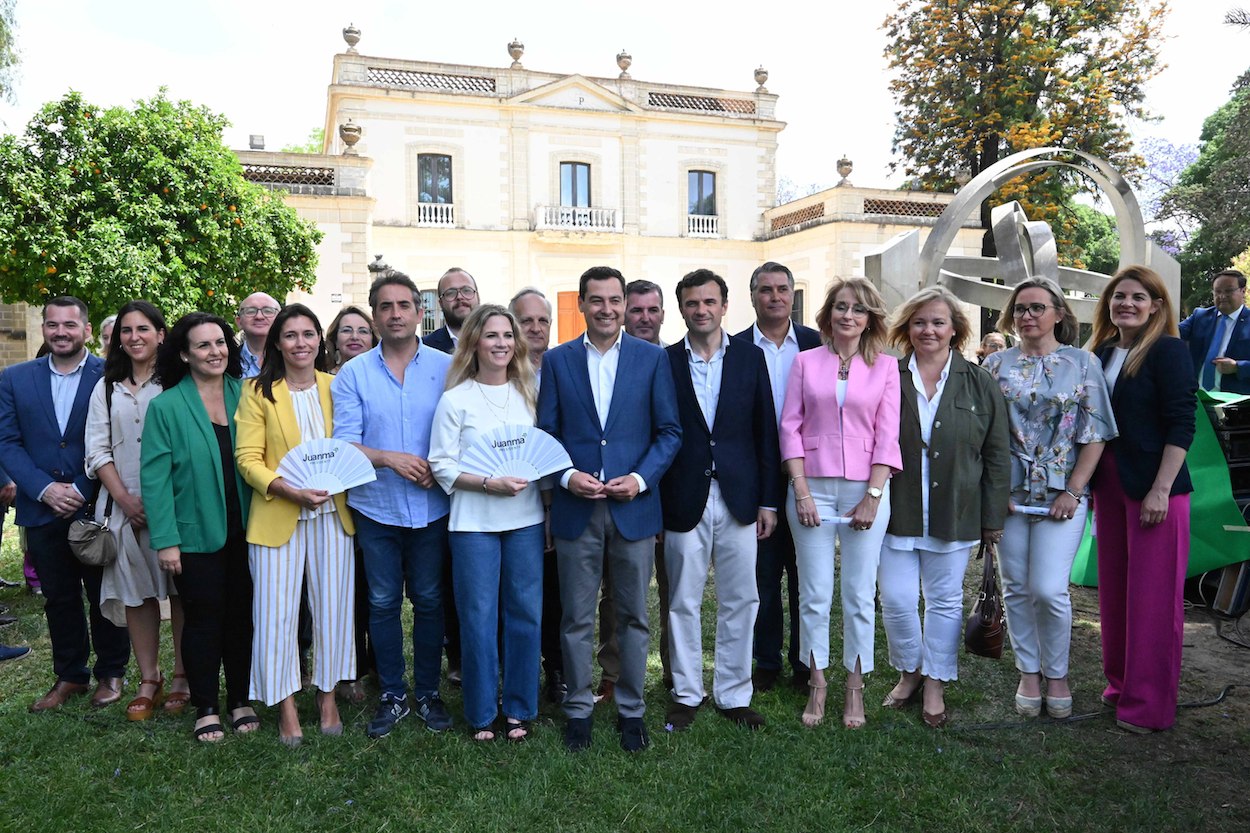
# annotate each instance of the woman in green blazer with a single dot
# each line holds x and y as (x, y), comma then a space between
(951, 493)
(197, 515)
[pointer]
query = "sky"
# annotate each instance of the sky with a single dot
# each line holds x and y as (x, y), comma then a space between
(267, 67)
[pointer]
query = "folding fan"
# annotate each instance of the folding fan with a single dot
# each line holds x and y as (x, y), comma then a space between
(332, 465)
(515, 451)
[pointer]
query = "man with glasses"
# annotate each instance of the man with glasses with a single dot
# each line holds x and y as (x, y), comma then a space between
(256, 315)
(457, 297)
(1219, 336)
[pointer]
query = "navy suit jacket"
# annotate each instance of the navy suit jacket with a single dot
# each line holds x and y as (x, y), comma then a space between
(440, 339)
(1197, 331)
(33, 451)
(805, 336)
(1152, 409)
(741, 446)
(642, 433)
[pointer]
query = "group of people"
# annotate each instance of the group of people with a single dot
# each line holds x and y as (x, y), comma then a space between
(759, 455)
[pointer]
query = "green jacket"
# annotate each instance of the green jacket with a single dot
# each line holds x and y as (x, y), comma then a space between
(969, 458)
(183, 493)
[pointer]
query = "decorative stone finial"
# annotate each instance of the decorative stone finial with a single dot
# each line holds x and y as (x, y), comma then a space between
(516, 49)
(761, 75)
(624, 60)
(352, 35)
(844, 170)
(378, 266)
(350, 134)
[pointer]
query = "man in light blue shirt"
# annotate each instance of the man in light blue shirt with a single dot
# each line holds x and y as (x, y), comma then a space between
(384, 404)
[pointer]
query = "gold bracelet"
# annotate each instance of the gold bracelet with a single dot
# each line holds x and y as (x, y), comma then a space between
(805, 497)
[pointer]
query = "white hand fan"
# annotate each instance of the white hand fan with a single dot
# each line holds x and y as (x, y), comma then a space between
(332, 465)
(515, 451)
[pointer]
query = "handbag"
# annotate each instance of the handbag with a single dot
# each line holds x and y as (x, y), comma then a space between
(983, 633)
(92, 542)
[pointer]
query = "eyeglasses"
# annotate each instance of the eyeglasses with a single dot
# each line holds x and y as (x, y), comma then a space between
(466, 292)
(1035, 310)
(264, 312)
(363, 332)
(858, 310)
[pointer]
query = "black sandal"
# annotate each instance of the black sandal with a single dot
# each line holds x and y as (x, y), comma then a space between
(200, 732)
(522, 726)
(491, 729)
(238, 723)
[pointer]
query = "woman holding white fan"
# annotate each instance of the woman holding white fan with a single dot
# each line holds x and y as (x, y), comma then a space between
(496, 524)
(295, 534)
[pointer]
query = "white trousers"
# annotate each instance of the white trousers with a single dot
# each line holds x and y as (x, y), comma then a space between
(717, 539)
(902, 577)
(1035, 561)
(860, 552)
(321, 552)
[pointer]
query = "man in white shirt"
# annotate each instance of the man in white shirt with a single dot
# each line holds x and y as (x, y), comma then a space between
(1219, 336)
(608, 398)
(772, 296)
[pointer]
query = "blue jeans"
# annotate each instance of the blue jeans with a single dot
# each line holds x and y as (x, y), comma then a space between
(397, 557)
(490, 570)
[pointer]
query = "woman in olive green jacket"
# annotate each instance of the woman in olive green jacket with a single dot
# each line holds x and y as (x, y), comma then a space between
(951, 493)
(197, 515)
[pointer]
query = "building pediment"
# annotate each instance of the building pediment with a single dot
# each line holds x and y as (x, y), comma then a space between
(576, 92)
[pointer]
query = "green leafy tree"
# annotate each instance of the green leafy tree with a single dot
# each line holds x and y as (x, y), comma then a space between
(1095, 242)
(115, 204)
(8, 49)
(1211, 193)
(314, 144)
(977, 80)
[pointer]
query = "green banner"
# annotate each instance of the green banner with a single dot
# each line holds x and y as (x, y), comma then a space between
(1211, 506)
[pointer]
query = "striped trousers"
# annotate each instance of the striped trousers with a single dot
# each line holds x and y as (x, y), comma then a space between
(321, 553)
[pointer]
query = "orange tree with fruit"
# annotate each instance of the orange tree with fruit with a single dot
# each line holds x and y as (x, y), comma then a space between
(143, 202)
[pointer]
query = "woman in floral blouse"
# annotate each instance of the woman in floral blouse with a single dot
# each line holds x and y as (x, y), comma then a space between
(1060, 415)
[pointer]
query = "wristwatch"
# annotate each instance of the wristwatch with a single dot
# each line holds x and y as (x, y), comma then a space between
(874, 492)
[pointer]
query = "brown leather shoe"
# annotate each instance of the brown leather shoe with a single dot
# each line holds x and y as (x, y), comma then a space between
(108, 692)
(57, 695)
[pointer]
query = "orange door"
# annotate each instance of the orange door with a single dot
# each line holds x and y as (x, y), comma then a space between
(569, 321)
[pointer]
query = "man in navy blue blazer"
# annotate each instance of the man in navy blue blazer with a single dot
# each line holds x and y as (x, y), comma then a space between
(720, 496)
(457, 297)
(43, 420)
(608, 398)
(772, 296)
(1221, 363)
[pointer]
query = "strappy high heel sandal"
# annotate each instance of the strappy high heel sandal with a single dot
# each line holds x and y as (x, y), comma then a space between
(814, 713)
(142, 708)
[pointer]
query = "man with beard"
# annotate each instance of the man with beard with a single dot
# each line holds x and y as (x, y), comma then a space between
(457, 296)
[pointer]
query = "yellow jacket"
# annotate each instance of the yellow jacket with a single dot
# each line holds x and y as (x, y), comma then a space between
(266, 432)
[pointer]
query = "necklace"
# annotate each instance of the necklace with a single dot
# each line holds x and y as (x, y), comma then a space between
(500, 410)
(294, 388)
(844, 367)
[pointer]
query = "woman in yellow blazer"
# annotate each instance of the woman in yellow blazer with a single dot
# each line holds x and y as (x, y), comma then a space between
(295, 535)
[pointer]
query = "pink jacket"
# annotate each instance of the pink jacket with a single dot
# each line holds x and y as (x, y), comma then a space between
(846, 441)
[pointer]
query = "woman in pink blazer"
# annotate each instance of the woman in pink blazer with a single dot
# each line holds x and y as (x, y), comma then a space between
(839, 444)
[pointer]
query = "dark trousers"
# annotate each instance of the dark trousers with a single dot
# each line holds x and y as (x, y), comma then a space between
(364, 646)
(216, 593)
(775, 557)
(64, 579)
(553, 656)
(451, 619)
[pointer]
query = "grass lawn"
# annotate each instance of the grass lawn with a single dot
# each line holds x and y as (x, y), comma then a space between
(85, 770)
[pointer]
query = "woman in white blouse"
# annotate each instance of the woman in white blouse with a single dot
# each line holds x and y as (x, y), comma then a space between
(496, 524)
(134, 584)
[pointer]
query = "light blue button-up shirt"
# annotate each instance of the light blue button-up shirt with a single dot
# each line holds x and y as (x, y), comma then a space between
(251, 364)
(65, 389)
(373, 409)
(706, 377)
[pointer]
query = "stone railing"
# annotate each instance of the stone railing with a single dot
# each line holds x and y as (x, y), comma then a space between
(436, 215)
(702, 225)
(859, 205)
(307, 173)
(573, 217)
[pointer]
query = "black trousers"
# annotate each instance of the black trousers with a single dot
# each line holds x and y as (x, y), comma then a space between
(216, 593)
(775, 557)
(553, 655)
(64, 579)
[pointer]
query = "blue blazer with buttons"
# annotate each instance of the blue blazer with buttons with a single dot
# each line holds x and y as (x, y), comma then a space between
(642, 433)
(1197, 331)
(33, 451)
(740, 447)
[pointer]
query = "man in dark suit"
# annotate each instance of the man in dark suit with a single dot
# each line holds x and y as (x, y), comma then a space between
(43, 418)
(772, 296)
(457, 297)
(608, 398)
(720, 496)
(1219, 336)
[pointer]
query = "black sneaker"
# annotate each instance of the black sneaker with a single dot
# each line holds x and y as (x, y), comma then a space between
(433, 712)
(391, 710)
